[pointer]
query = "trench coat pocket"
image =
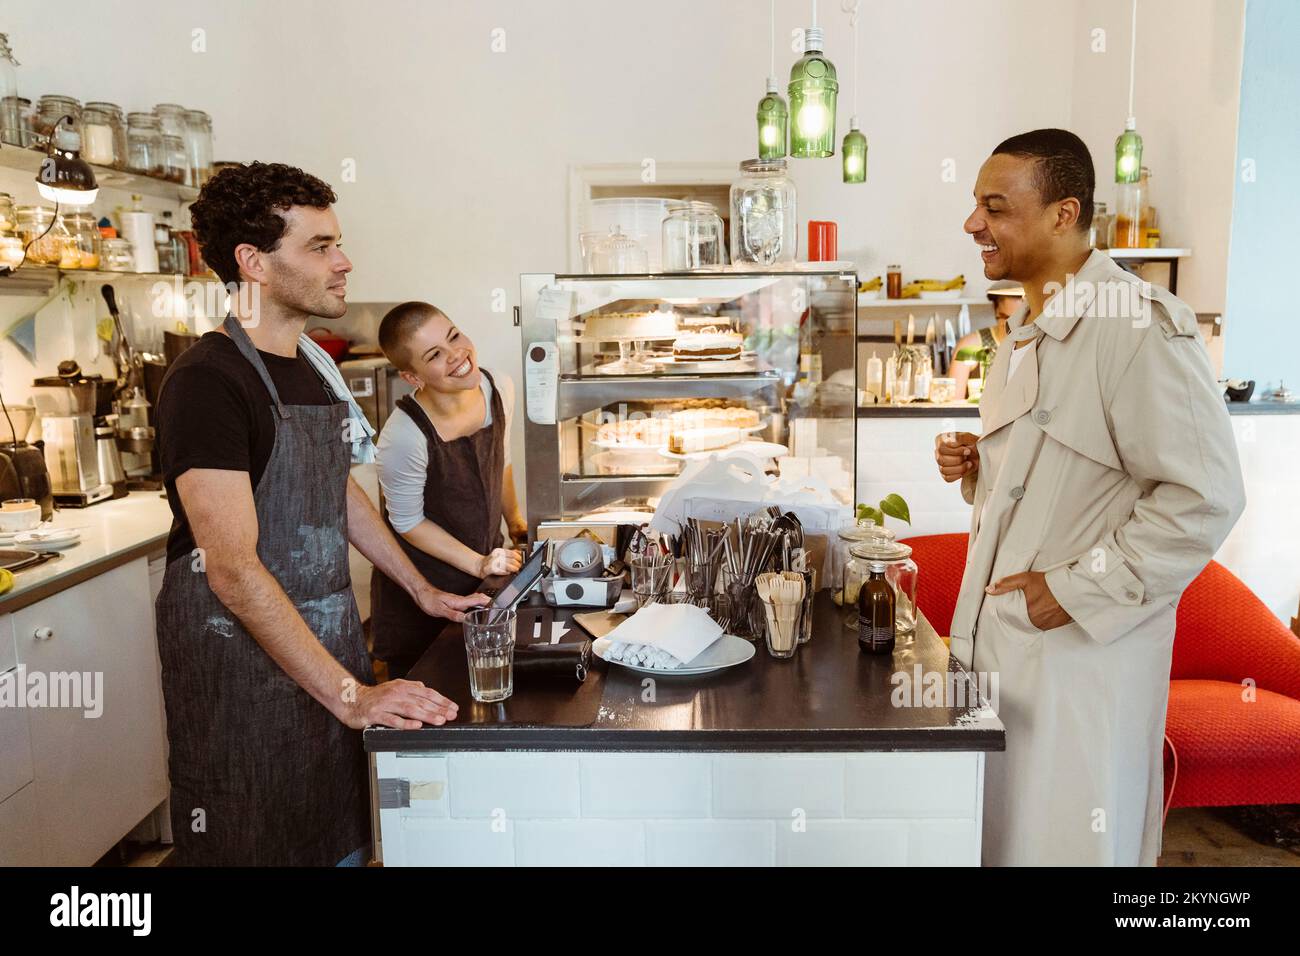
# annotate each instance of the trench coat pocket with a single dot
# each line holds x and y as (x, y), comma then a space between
(1010, 610)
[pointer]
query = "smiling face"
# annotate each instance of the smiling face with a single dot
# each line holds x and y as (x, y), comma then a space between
(308, 271)
(1013, 227)
(441, 357)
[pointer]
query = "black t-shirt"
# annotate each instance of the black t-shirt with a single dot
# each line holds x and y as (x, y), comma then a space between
(214, 412)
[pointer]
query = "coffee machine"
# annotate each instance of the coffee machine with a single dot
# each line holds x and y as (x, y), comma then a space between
(70, 403)
(23, 473)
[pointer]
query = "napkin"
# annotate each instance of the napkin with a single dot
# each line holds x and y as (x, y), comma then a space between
(664, 636)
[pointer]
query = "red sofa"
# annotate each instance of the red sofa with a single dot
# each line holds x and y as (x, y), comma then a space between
(1222, 748)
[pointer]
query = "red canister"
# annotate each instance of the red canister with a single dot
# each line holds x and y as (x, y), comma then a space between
(823, 243)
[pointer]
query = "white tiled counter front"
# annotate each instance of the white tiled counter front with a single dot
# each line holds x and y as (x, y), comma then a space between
(680, 809)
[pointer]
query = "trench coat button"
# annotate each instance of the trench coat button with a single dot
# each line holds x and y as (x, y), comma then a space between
(1131, 594)
(1042, 416)
(1017, 492)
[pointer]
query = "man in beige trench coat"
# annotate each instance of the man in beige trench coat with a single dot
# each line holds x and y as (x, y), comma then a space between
(1105, 478)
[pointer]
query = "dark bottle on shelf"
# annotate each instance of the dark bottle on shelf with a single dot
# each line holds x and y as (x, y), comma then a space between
(876, 612)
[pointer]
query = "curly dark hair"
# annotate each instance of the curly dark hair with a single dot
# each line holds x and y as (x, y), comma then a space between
(242, 203)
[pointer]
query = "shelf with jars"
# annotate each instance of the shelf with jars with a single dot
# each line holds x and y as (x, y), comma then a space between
(40, 280)
(30, 160)
(630, 377)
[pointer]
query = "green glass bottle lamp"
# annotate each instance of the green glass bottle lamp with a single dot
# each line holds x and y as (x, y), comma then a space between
(813, 89)
(854, 152)
(773, 123)
(1128, 154)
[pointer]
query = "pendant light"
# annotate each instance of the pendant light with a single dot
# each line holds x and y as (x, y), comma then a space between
(854, 150)
(1128, 147)
(813, 88)
(64, 177)
(773, 117)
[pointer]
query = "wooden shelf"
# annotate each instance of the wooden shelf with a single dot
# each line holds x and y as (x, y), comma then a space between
(1153, 254)
(41, 280)
(914, 304)
(29, 161)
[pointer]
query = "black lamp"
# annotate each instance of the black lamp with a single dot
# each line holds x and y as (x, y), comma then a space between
(64, 177)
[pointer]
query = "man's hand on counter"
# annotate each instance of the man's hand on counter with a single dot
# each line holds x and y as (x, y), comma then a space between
(437, 603)
(1044, 612)
(956, 455)
(500, 561)
(401, 704)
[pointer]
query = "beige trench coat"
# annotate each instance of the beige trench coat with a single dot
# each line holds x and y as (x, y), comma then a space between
(1108, 462)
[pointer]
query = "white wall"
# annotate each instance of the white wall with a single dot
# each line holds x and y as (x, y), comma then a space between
(412, 89)
(1186, 98)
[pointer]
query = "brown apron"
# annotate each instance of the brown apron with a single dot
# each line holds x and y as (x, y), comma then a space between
(462, 495)
(261, 773)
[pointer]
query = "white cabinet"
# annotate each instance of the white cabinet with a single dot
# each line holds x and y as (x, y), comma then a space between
(99, 768)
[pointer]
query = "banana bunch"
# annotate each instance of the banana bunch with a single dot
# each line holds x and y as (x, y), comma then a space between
(870, 285)
(917, 286)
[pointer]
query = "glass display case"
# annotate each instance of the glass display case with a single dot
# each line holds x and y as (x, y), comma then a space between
(629, 377)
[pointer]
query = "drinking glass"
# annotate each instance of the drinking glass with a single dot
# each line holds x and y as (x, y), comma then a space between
(490, 650)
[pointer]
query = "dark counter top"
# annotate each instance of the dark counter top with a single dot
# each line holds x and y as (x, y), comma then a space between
(829, 698)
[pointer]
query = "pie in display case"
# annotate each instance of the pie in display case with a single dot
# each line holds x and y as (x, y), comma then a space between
(629, 377)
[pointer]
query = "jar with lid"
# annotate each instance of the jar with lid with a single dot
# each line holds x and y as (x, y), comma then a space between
(11, 252)
(36, 228)
(103, 135)
(81, 244)
(171, 123)
(878, 545)
(198, 145)
(52, 107)
(19, 108)
(6, 213)
(116, 255)
(692, 237)
(11, 117)
(144, 145)
(618, 254)
(764, 229)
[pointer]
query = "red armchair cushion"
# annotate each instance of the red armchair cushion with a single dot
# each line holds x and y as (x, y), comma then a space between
(940, 560)
(1231, 751)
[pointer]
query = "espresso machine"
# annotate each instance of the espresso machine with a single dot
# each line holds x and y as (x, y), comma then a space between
(70, 404)
(139, 378)
(23, 473)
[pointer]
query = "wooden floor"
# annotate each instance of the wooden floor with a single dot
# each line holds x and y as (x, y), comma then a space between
(1193, 837)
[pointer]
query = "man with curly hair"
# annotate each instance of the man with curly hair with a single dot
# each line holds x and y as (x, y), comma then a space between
(263, 659)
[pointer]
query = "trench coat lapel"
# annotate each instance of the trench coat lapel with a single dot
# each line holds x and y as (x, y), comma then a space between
(1004, 401)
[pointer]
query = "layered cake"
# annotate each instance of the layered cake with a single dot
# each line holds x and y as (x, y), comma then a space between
(630, 326)
(710, 344)
(657, 430)
(701, 439)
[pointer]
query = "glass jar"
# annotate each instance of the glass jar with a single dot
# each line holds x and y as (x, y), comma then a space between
(51, 108)
(1131, 209)
(144, 145)
(18, 109)
(81, 245)
(6, 213)
(116, 256)
(11, 252)
(36, 228)
(171, 123)
(618, 254)
(692, 237)
(103, 135)
(879, 546)
(11, 117)
(763, 224)
(1099, 231)
(198, 145)
(176, 163)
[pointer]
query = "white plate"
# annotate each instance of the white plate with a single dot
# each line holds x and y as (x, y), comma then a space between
(759, 449)
(46, 540)
(726, 651)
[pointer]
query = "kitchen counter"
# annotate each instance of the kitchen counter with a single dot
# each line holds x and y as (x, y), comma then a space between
(815, 760)
(113, 533)
(968, 410)
(830, 697)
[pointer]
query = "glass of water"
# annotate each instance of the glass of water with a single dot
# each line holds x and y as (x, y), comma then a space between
(652, 579)
(490, 650)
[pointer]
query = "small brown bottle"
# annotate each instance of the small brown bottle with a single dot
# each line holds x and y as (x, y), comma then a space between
(876, 612)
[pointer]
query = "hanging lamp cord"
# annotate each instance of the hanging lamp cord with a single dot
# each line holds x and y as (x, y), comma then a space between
(1132, 57)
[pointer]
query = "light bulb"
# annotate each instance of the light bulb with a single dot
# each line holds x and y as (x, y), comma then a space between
(852, 165)
(767, 134)
(812, 120)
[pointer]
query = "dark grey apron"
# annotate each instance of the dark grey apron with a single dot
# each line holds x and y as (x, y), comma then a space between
(261, 773)
(462, 495)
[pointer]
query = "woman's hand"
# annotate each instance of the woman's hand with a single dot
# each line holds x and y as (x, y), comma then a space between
(956, 455)
(499, 561)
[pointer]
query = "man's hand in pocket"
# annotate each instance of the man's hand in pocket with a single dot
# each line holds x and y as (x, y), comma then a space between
(1044, 612)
